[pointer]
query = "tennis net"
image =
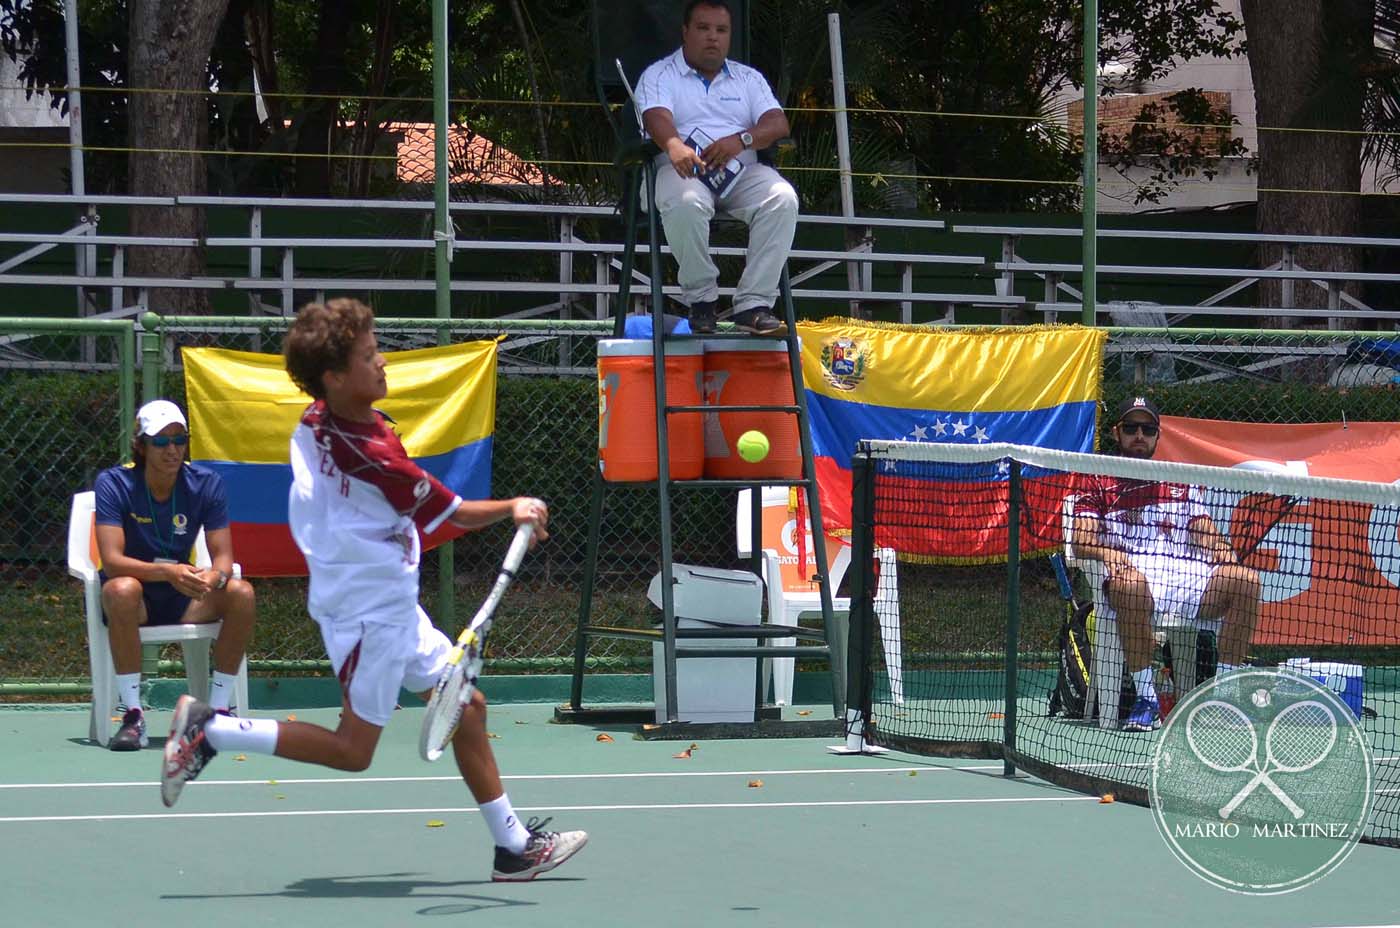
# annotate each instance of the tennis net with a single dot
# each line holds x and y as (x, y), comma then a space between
(1287, 569)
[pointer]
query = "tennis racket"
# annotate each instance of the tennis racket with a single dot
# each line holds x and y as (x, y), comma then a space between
(1222, 737)
(464, 664)
(1298, 739)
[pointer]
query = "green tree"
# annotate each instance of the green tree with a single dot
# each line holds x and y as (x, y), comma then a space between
(1318, 74)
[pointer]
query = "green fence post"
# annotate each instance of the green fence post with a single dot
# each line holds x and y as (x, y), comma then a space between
(126, 349)
(1013, 615)
(150, 357)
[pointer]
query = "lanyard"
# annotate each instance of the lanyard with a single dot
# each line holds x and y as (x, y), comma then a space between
(167, 549)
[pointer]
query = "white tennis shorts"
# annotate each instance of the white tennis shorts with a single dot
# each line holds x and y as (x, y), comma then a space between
(374, 660)
(1177, 584)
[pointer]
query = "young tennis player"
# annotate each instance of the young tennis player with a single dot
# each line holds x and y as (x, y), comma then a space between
(356, 507)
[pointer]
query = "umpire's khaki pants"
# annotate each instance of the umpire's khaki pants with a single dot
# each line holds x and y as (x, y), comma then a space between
(762, 199)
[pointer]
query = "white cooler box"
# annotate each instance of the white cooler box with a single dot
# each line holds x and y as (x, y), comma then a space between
(709, 689)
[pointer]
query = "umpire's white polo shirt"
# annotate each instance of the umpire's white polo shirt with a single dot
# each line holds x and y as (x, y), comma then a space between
(729, 104)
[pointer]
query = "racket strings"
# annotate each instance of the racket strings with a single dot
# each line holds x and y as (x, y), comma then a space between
(1301, 737)
(1222, 738)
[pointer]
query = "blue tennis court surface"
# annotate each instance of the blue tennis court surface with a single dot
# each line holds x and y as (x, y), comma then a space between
(742, 832)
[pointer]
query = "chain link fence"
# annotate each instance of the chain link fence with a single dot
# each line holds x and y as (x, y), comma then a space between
(68, 401)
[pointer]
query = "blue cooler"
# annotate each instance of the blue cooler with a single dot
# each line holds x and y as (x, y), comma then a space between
(1346, 680)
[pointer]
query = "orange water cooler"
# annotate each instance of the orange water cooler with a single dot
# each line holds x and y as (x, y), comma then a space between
(749, 371)
(627, 410)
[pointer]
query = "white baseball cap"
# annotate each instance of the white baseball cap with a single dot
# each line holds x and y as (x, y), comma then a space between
(157, 414)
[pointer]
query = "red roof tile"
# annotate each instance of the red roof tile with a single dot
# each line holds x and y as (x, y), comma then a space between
(474, 158)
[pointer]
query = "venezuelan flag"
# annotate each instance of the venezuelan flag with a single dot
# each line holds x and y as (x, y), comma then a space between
(1031, 385)
(243, 408)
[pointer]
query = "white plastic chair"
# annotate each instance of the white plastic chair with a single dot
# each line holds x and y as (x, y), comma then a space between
(83, 562)
(1106, 675)
(789, 600)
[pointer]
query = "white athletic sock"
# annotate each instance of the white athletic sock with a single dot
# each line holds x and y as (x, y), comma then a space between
(226, 733)
(506, 829)
(1143, 679)
(221, 690)
(129, 688)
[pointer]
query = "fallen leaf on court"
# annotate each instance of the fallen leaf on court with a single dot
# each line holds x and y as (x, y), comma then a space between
(685, 755)
(271, 782)
(493, 736)
(292, 717)
(435, 824)
(913, 773)
(1105, 799)
(279, 796)
(755, 784)
(605, 738)
(241, 757)
(518, 722)
(804, 711)
(996, 715)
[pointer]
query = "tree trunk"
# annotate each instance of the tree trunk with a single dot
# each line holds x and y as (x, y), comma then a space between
(369, 117)
(169, 49)
(330, 77)
(1303, 57)
(542, 133)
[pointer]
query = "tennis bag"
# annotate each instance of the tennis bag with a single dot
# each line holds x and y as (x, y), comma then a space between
(1076, 657)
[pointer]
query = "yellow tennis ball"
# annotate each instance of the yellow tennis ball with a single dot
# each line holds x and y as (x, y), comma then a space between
(753, 446)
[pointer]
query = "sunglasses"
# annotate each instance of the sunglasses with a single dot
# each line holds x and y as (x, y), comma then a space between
(163, 441)
(1132, 428)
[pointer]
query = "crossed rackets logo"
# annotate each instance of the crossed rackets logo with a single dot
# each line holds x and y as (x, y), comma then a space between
(1261, 780)
(1223, 738)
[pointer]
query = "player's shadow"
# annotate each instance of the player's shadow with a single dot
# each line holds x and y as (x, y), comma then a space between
(386, 886)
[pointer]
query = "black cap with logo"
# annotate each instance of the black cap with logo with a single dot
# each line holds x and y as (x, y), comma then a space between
(1137, 404)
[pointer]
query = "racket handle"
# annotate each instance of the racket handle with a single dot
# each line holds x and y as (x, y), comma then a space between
(518, 546)
(1062, 575)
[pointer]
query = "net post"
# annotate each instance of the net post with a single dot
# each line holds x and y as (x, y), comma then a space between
(861, 628)
(1013, 612)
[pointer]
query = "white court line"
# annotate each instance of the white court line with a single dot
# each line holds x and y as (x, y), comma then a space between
(530, 776)
(647, 807)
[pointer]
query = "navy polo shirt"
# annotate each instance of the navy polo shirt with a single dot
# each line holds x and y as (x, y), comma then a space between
(156, 529)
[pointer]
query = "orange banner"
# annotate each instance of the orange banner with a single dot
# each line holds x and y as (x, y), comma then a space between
(1330, 570)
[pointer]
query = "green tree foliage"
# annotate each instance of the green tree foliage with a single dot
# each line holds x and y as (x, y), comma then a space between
(946, 92)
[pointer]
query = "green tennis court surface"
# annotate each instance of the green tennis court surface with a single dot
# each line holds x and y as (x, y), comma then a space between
(824, 840)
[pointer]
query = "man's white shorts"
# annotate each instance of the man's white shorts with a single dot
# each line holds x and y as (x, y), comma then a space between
(1177, 584)
(375, 659)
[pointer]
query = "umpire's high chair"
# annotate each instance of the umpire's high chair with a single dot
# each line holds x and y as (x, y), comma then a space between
(636, 33)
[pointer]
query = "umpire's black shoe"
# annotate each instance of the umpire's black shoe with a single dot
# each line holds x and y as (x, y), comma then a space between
(758, 321)
(703, 316)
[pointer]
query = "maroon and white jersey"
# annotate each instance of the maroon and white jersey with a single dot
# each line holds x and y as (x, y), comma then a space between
(355, 507)
(1145, 516)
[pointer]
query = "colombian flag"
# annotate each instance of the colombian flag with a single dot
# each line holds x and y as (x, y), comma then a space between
(243, 408)
(1030, 385)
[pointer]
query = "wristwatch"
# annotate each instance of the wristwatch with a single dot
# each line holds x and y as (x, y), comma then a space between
(746, 138)
(223, 581)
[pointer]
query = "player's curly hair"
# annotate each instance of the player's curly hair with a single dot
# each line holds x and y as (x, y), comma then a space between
(320, 340)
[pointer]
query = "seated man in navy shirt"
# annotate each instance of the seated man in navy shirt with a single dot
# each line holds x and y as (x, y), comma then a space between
(148, 515)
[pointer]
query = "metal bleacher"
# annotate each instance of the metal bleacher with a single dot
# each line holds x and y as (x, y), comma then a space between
(998, 279)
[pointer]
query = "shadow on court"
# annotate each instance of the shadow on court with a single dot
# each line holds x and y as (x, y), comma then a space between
(384, 886)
